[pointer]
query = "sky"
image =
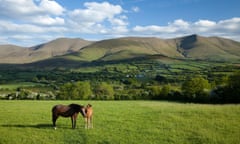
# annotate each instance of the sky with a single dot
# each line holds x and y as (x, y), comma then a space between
(32, 22)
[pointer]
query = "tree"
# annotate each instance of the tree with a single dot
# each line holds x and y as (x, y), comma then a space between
(233, 88)
(65, 91)
(82, 90)
(77, 90)
(195, 89)
(165, 91)
(104, 91)
(155, 92)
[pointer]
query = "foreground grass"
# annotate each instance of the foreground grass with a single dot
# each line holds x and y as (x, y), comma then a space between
(122, 122)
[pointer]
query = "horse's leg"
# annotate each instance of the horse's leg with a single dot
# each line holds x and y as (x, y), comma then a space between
(73, 122)
(54, 119)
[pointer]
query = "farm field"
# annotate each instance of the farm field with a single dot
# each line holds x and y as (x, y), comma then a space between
(124, 122)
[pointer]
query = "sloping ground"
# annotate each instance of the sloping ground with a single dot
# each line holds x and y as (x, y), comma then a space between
(15, 54)
(79, 50)
(125, 48)
(212, 48)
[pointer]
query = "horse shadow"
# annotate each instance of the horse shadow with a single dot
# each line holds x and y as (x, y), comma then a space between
(38, 126)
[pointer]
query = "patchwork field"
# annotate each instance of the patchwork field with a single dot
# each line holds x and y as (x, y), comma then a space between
(134, 122)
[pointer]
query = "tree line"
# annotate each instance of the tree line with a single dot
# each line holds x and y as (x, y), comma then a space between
(194, 89)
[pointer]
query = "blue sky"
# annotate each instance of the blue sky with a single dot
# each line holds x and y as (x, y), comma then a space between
(31, 22)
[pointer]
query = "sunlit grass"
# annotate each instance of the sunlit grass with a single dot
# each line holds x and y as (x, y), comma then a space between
(122, 122)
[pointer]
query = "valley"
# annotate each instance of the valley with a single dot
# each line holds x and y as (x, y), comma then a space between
(128, 69)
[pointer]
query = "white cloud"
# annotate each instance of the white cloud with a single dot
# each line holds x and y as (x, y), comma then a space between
(13, 28)
(47, 20)
(39, 20)
(229, 28)
(98, 18)
(205, 23)
(172, 27)
(230, 24)
(29, 11)
(153, 29)
(51, 7)
(95, 13)
(179, 23)
(135, 9)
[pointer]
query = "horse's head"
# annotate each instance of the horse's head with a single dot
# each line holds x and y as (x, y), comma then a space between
(82, 111)
(78, 108)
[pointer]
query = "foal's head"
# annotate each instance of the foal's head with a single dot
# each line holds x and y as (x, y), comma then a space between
(88, 110)
(88, 106)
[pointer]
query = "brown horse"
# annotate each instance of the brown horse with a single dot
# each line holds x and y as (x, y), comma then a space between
(89, 116)
(71, 110)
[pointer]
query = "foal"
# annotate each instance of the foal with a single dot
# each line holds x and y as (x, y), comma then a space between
(88, 116)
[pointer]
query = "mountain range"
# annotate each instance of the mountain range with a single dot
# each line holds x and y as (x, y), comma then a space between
(80, 50)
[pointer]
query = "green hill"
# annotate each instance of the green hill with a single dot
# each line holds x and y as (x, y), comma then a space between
(75, 51)
(211, 48)
(11, 54)
(189, 47)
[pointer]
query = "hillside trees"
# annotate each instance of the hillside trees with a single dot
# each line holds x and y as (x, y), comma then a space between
(230, 92)
(82, 90)
(234, 88)
(195, 89)
(103, 91)
(77, 90)
(160, 93)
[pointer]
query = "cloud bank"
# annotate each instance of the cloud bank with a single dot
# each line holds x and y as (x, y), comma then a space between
(30, 22)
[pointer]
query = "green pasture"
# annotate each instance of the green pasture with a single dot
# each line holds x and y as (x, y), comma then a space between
(123, 122)
(13, 86)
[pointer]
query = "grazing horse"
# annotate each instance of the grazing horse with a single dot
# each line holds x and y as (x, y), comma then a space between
(71, 110)
(88, 116)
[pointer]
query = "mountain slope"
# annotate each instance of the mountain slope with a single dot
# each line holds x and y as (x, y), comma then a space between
(125, 48)
(193, 47)
(79, 50)
(61, 46)
(208, 48)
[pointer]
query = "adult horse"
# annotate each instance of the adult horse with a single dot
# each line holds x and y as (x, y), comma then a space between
(71, 110)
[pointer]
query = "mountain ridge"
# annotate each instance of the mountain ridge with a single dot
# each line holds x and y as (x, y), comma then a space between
(187, 47)
(19, 55)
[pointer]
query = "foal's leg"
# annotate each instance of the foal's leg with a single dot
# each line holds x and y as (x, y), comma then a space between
(86, 122)
(91, 121)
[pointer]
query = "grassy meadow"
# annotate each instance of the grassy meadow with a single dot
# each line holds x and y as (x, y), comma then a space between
(124, 122)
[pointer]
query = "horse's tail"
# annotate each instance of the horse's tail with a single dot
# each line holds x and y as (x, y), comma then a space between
(54, 116)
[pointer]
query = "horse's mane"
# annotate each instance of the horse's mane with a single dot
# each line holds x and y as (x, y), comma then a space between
(77, 108)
